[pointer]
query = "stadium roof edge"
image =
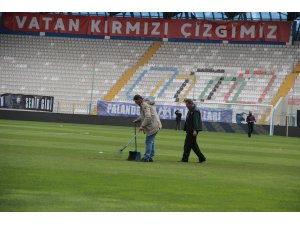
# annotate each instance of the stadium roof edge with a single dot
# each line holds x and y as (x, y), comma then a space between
(248, 16)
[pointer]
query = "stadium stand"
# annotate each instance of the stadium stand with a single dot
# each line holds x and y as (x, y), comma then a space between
(69, 68)
(66, 68)
(255, 63)
(236, 73)
(80, 71)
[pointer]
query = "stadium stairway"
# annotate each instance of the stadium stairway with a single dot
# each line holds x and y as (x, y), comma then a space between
(130, 72)
(283, 90)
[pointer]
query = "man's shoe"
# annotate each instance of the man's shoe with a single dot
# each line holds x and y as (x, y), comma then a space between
(145, 160)
(201, 161)
(151, 160)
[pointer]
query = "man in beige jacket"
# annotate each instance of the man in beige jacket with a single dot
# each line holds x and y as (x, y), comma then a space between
(150, 125)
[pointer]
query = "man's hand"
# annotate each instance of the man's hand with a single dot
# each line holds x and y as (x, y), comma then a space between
(195, 133)
(135, 121)
(141, 129)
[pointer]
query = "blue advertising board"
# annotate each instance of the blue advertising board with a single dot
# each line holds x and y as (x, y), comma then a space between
(166, 112)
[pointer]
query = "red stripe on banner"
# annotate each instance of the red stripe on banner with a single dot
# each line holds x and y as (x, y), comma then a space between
(155, 28)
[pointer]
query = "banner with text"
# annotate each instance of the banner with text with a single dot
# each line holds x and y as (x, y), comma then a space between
(274, 31)
(27, 102)
(166, 112)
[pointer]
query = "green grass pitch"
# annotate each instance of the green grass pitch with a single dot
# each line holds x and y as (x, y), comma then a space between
(59, 167)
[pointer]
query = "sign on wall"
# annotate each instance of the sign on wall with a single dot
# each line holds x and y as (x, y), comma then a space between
(274, 31)
(166, 112)
(27, 102)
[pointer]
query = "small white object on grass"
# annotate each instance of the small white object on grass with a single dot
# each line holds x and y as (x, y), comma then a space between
(100, 152)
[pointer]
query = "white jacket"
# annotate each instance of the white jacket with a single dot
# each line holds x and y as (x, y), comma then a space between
(149, 118)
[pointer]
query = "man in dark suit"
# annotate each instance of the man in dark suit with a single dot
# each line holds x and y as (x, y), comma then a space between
(250, 120)
(192, 126)
(178, 119)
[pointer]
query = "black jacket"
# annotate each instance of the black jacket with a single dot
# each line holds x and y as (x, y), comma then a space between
(193, 121)
(178, 115)
(250, 119)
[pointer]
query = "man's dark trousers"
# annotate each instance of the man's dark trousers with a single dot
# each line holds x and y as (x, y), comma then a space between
(250, 129)
(191, 143)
